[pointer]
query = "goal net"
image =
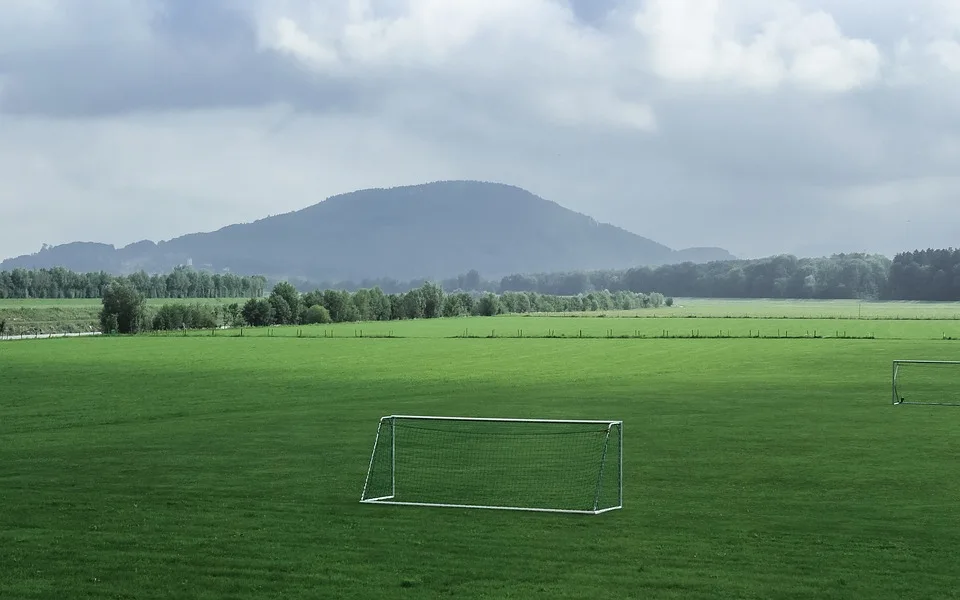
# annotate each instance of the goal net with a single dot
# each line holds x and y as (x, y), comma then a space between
(926, 382)
(514, 464)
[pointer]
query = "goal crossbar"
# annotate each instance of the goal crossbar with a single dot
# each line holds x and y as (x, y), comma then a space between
(503, 419)
(897, 385)
(605, 493)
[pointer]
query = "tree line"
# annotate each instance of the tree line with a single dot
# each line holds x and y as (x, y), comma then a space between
(918, 275)
(840, 276)
(932, 274)
(182, 282)
(125, 309)
(926, 275)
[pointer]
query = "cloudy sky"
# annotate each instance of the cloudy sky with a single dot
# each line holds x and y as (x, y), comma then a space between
(762, 126)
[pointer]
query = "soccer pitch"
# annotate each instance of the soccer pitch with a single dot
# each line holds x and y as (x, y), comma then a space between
(217, 466)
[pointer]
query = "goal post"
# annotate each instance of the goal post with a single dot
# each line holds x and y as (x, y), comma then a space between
(544, 465)
(932, 382)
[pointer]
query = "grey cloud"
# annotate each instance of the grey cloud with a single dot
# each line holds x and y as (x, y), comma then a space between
(757, 172)
(211, 23)
(162, 79)
(201, 55)
(796, 139)
(881, 22)
(593, 12)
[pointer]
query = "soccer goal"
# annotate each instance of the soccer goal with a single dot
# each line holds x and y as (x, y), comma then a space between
(544, 465)
(926, 382)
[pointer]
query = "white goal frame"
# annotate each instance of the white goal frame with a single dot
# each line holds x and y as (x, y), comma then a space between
(897, 399)
(393, 457)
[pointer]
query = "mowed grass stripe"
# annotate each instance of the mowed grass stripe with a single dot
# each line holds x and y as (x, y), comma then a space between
(813, 308)
(576, 327)
(212, 467)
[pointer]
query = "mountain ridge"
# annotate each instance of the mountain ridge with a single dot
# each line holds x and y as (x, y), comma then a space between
(430, 230)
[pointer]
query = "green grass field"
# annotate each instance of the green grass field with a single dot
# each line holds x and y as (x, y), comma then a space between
(808, 309)
(819, 317)
(225, 467)
(527, 326)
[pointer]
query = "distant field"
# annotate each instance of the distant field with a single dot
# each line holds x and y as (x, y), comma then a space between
(594, 326)
(817, 309)
(698, 317)
(81, 303)
(213, 467)
(686, 307)
(72, 315)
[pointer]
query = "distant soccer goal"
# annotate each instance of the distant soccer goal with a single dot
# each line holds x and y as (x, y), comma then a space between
(546, 465)
(934, 382)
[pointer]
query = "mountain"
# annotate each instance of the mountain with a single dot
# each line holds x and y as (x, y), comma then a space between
(433, 230)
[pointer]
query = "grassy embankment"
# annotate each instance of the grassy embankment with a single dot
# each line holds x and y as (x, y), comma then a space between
(73, 315)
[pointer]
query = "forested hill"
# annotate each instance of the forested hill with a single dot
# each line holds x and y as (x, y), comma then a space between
(918, 275)
(434, 230)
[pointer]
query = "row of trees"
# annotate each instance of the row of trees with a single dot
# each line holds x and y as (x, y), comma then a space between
(919, 275)
(925, 275)
(286, 306)
(839, 276)
(182, 282)
(125, 309)
(470, 281)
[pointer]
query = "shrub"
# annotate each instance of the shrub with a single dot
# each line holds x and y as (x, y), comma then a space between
(258, 312)
(489, 305)
(316, 314)
(183, 316)
(124, 309)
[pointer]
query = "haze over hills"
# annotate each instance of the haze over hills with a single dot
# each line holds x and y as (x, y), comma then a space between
(432, 230)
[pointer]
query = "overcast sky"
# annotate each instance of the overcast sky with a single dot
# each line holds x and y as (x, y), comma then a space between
(762, 126)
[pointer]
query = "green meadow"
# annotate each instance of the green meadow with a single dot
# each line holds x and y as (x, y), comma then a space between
(215, 465)
(625, 326)
(807, 309)
(73, 315)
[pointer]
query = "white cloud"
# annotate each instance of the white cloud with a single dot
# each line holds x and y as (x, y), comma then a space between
(947, 52)
(742, 43)
(552, 65)
(930, 45)
(759, 125)
(427, 33)
(290, 38)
